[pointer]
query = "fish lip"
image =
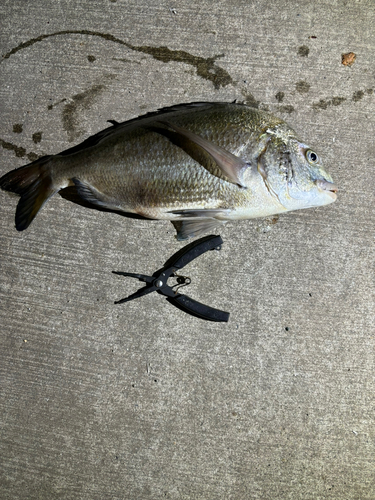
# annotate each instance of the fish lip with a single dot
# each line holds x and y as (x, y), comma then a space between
(328, 187)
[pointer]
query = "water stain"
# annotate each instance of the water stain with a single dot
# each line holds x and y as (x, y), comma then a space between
(302, 87)
(32, 156)
(280, 96)
(323, 103)
(250, 99)
(77, 103)
(51, 106)
(357, 96)
(123, 59)
(17, 128)
(265, 225)
(205, 67)
(336, 101)
(18, 151)
(286, 109)
(37, 137)
(303, 51)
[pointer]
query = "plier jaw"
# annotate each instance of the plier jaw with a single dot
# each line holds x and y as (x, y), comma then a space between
(158, 282)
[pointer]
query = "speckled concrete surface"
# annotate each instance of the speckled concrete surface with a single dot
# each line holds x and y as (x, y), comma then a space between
(141, 401)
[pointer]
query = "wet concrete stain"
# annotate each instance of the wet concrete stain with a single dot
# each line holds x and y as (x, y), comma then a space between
(323, 103)
(32, 156)
(266, 224)
(250, 99)
(18, 150)
(123, 59)
(51, 106)
(302, 87)
(303, 51)
(205, 67)
(17, 128)
(71, 110)
(77, 103)
(357, 96)
(286, 109)
(37, 137)
(280, 96)
(336, 101)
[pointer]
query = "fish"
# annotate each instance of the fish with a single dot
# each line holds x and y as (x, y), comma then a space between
(198, 165)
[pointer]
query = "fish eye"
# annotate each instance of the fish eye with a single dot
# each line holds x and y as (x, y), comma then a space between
(311, 156)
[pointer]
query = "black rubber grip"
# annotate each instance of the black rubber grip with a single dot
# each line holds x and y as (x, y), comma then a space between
(198, 309)
(194, 250)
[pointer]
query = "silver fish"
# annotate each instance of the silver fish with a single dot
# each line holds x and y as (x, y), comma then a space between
(197, 165)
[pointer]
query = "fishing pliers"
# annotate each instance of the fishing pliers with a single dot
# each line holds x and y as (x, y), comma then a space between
(158, 281)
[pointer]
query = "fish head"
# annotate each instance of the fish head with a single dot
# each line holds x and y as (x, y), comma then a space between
(294, 172)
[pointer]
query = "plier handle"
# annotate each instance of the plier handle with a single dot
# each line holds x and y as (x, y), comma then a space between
(158, 282)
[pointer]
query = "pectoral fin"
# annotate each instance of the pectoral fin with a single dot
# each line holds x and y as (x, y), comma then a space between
(90, 194)
(232, 166)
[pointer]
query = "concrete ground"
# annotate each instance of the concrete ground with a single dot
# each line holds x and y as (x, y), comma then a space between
(141, 401)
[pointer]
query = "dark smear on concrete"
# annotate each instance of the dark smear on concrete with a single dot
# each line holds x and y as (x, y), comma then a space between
(250, 99)
(123, 59)
(303, 51)
(17, 128)
(336, 101)
(323, 104)
(286, 109)
(37, 137)
(205, 67)
(20, 152)
(91, 58)
(77, 103)
(70, 111)
(302, 87)
(357, 96)
(51, 106)
(32, 156)
(280, 96)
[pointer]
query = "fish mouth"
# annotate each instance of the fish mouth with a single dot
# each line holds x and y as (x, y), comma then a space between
(328, 187)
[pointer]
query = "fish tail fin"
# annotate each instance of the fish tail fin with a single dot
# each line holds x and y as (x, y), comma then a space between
(33, 183)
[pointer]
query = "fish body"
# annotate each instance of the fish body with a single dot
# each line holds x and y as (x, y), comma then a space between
(198, 165)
